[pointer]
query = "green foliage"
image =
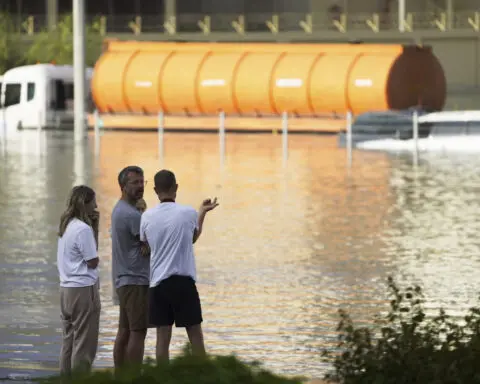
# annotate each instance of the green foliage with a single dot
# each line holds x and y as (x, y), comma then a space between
(184, 369)
(57, 46)
(10, 44)
(407, 347)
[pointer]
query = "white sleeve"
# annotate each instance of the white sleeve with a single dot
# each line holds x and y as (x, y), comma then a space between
(86, 244)
(142, 229)
(195, 219)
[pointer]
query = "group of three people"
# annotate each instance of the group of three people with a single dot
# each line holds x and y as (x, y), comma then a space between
(153, 270)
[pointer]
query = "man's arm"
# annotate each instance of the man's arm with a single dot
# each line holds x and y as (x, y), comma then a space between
(207, 205)
(93, 263)
(144, 247)
(198, 230)
(88, 248)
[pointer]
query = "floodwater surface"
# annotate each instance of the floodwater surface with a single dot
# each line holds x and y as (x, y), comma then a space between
(285, 250)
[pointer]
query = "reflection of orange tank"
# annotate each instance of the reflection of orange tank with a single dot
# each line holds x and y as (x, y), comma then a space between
(264, 79)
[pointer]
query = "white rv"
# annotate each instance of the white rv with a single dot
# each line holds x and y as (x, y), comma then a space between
(39, 97)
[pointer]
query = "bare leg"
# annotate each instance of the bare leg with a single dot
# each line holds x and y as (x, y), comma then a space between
(195, 335)
(164, 335)
(120, 347)
(136, 347)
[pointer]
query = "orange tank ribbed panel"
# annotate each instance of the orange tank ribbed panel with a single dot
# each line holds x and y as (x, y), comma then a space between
(179, 81)
(107, 82)
(252, 88)
(264, 79)
(366, 88)
(291, 91)
(215, 83)
(328, 82)
(131, 45)
(142, 82)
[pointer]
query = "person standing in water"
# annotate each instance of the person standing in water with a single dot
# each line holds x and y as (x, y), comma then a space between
(170, 229)
(141, 205)
(77, 263)
(131, 268)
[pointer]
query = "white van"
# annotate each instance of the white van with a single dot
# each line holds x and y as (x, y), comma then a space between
(39, 96)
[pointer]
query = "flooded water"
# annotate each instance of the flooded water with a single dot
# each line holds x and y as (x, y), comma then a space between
(286, 249)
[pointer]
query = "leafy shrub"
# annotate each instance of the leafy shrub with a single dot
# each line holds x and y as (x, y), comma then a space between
(184, 369)
(11, 47)
(57, 45)
(406, 346)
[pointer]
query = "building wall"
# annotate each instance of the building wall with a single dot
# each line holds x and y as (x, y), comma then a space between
(146, 7)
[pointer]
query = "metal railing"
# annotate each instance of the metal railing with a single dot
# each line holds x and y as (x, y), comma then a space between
(268, 22)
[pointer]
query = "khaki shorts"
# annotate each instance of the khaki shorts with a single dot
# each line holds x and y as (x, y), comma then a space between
(133, 307)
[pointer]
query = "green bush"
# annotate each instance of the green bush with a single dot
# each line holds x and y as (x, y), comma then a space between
(184, 369)
(57, 46)
(406, 346)
(11, 47)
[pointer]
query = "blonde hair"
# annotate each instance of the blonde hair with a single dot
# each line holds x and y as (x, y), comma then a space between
(141, 205)
(79, 197)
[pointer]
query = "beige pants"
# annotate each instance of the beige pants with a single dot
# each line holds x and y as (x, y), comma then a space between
(80, 314)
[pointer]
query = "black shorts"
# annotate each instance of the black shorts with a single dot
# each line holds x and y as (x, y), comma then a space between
(175, 300)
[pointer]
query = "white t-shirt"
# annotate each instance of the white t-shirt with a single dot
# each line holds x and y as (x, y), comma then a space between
(168, 228)
(75, 248)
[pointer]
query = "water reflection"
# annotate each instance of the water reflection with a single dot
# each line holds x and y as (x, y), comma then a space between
(285, 250)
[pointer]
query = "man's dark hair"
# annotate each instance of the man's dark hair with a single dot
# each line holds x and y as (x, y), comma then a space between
(164, 181)
(123, 175)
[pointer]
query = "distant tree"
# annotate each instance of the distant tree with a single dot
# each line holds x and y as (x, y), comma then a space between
(11, 45)
(57, 46)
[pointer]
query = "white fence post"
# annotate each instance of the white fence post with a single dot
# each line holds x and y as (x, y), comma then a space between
(415, 137)
(96, 129)
(285, 137)
(349, 138)
(161, 129)
(221, 136)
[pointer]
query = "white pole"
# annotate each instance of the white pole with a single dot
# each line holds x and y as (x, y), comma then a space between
(4, 132)
(401, 15)
(96, 128)
(349, 138)
(39, 132)
(415, 136)
(79, 164)
(161, 128)
(39, 123)
(79, 68)
(221, 136)
(285, 136)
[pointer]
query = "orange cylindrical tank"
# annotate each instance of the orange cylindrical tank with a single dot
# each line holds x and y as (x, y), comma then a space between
(263, 79)
(142, 82)
(253, 83)
(107, 81)
(215, 83)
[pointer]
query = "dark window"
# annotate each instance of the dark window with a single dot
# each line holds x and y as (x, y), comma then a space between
(12, 94)
(474, 128)
(448, 128)
(59, 103)
(30, 91)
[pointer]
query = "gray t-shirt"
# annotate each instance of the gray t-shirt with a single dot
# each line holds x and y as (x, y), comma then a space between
(129, 267)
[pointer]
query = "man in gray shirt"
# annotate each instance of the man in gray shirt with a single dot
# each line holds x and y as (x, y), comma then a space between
(130, 270)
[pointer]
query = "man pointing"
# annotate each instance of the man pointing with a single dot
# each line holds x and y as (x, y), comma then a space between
(170, 229)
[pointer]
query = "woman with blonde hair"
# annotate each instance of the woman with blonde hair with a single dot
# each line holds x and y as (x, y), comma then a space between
(77, 262)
